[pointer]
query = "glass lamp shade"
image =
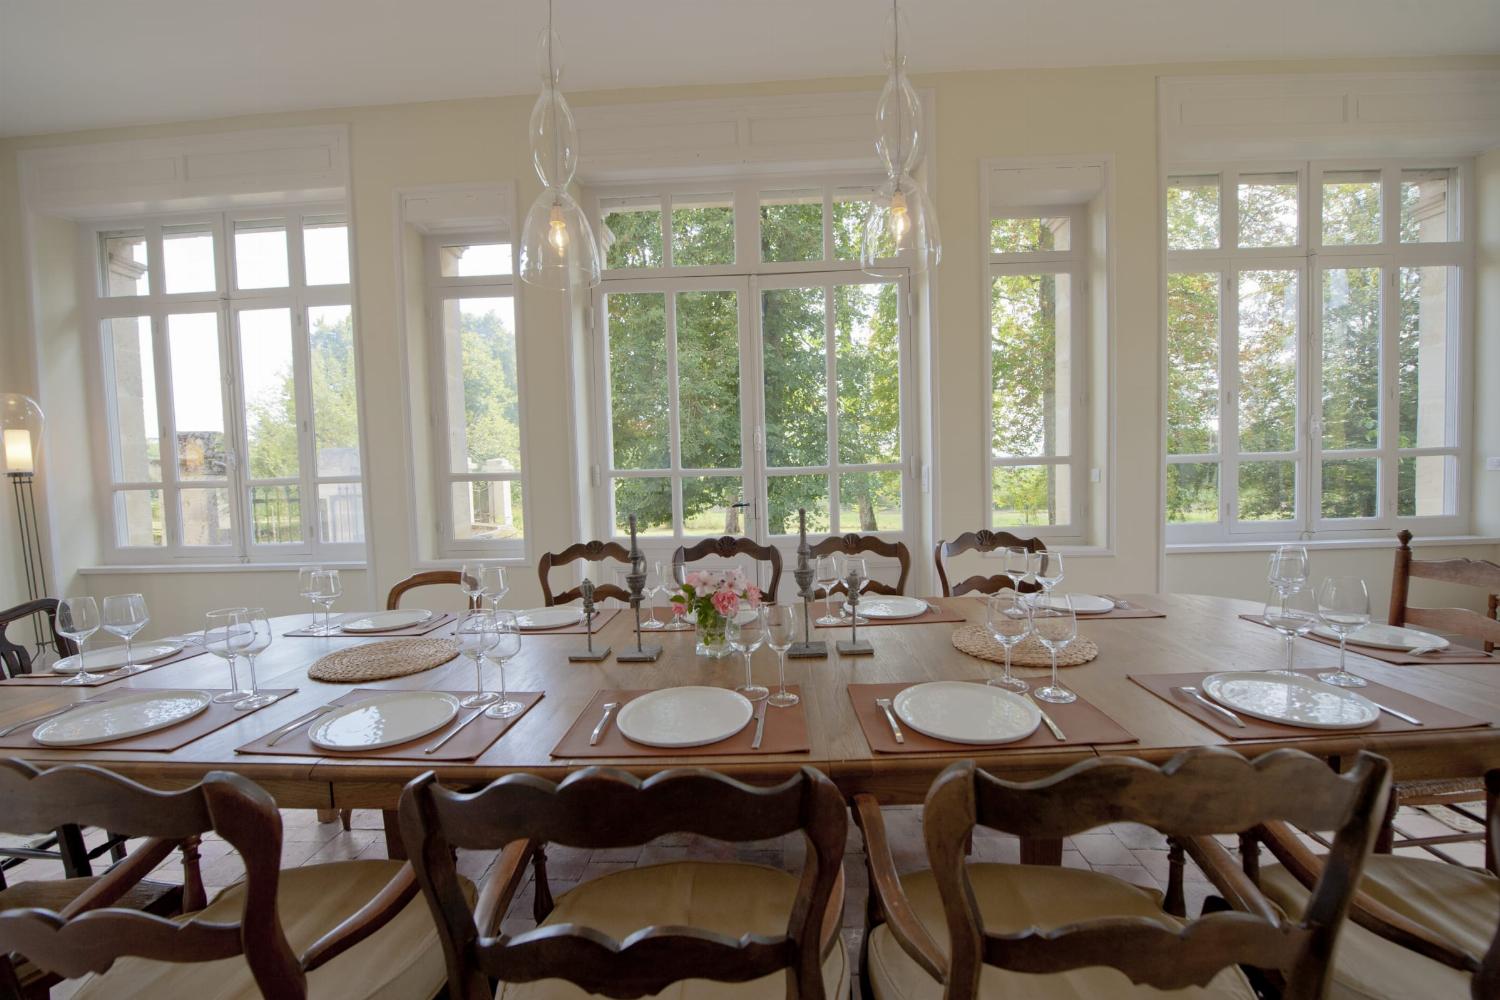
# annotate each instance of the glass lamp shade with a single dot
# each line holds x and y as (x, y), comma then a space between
(554, 139)
(549, 57)
(21, 425)
(898, 125)
(901, 229)
(558, 249)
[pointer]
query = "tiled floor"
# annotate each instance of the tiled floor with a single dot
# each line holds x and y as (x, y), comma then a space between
(1134, 853)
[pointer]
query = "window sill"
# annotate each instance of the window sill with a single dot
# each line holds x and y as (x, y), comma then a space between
(1268, 545)
(1068, 551)
(128, 569)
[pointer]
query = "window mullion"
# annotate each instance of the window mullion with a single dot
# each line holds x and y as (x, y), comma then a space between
(306, 450)
(674, 416)
(831, 400)
(236, 430)
(1229, 380)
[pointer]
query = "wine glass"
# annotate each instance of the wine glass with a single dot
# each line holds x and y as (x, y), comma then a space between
(471, 582)
(77, 619)
(493, 584)
(856, 581)
(254, 629)
(1288, 568)
(1008, 622)
(476, 635)
(1344, 606)
(123, 616)
(1049, 569)
(507, 644)
(1292, 614)
(745, 632)
(225, 636)
(1054, 625)
(826, 576)
(678, 576)
(306, 588)
(781, 626)
(326, 589)
(655, 584)
(1017, 565)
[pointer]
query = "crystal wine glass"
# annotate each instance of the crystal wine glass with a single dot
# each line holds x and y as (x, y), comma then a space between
(1054, 625)
(123, 615)
(326, 589)
(495, 586)
(306, 588)
(781, 626)
(1344, 606)
(826, 577)
(655, 584)
(745, 633)
(856, 580)
(1288, 568)
(476, 635)
(471, 582)
(1292, 614)
(678, 576)
(225, 636)
(256, 635)
(1008, 622)
(507, 645)
(77, 619)
(1049, 569)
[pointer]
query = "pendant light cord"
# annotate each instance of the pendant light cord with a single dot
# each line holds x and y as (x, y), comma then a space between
(896, 75)
(552, 87)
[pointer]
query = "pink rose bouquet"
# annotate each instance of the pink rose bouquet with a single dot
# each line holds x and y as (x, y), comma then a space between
(710, 596)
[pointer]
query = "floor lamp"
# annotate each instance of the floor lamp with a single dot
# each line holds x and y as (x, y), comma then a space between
(20, 442)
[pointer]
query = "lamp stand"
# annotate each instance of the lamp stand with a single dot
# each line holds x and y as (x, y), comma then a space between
(31, 549)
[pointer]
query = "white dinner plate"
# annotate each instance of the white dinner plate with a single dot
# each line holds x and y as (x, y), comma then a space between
(386, 621)
(1091, 604)
(1293, 700)
(540, 618)
(120, 718)
(890, 606)
(961, 712)
(114, 656)
(384, 720)
(1378, 636)
(684, 716)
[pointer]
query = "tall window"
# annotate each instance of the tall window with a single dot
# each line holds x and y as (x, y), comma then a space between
(227, 353)
(1314, 332)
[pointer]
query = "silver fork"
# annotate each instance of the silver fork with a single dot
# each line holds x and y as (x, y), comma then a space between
(609, 709)
(885, 706)
(1120, 602)
(306, 720)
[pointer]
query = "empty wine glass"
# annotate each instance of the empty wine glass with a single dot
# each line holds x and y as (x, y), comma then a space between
(77, 619)
(826, 577)
(493, 583)
(255, 630)
(745, 633)
(1049, 569)
(507, 645)
(678, 576)
(1288, 568)
(1008, 622)
(306, 588)
(326, 589)
(471, 582)
(1054, 625)
(781, 627)
(123, 616)
(655, 584)
(856, 577)
(1292, 614)
(1018, 565)
(476, 635)
(225, 636)
(1344, 606)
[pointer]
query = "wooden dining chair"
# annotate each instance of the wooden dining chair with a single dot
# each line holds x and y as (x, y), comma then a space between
(636, 932)
(853, 544)
(728, 547)
(983, 541)
(431, 578)
(592, 551)
(962, 930)
(15, 656)
(1418, 927)
(347, 929)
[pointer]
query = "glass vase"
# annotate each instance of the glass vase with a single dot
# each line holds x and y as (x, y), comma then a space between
(711, 640)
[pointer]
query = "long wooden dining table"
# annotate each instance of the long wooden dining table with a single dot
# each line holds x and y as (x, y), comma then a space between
(1197, 634)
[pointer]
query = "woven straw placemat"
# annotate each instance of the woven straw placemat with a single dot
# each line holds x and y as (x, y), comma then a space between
(377, 661)
(977, 641)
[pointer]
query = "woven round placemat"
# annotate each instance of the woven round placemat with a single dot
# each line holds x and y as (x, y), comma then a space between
(977, 641)
(380, 660)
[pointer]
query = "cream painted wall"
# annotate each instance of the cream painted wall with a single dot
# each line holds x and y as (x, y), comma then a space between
(1487, 352)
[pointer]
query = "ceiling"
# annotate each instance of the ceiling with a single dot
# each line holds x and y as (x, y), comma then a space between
(88, 63)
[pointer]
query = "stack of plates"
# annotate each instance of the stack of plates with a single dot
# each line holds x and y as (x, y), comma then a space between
(1290, 699)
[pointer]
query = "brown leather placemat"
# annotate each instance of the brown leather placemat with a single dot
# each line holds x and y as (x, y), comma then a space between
(1433, 716)
(786, 732)
(602, 617)
(1081, 723)
(214, 717)
(933, 615)
(467, 745)
(109, 677)
(1134, 611)
(1453, 654)
(421, 628)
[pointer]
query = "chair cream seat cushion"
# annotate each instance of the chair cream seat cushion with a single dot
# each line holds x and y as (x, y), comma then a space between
(729, 898)
(1457, 904)
(1013, 898)
(401, 961)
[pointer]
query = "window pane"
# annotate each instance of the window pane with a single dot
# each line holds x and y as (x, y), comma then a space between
(1193, 364)
(138, 518)
(197, 397)
(1030, 235)
(137, 451)
(473, 260)
(1192, 493)
(868, 365)
(708, 506)
(796, 371)
(791, 226)
(1351, 208)
(1425, 486)
(703, 230)
(1026, 495)
(638, 380)
(1351, 358)
(850, 206)
(1428, 210)
(335, 405)
(1423, 357)
(484, 417)
(341, 513)
(1030, 357)
(325, 251)
(1193, 213)
(188, 259)
(870, 501)
(488, 510)
(1268, 361)
(632, 233)
(123, 262)
(1268, 491)
(649, 499)
(708, 379)
(1349, 487)
(787, 494)
(205, 517)
(1268, 210)
(270, 393)
(275, 515)
(260, 254)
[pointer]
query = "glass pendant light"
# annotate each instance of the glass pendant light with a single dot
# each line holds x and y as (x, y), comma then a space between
(558, 248)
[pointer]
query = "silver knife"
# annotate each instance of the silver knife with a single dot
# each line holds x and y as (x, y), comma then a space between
(1388, 710)
(461, 727)
(1056, 729)
(609, 709)
(885, 706)
(760, 725)
(304, 720)
(1193, 693)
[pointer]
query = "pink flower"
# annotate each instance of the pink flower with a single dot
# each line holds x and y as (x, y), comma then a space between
(697, 579)
(726, 602)
(680, 610)
(752, 594)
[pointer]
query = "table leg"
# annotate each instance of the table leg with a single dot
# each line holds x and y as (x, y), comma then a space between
(394, 848)
(1041, 850)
